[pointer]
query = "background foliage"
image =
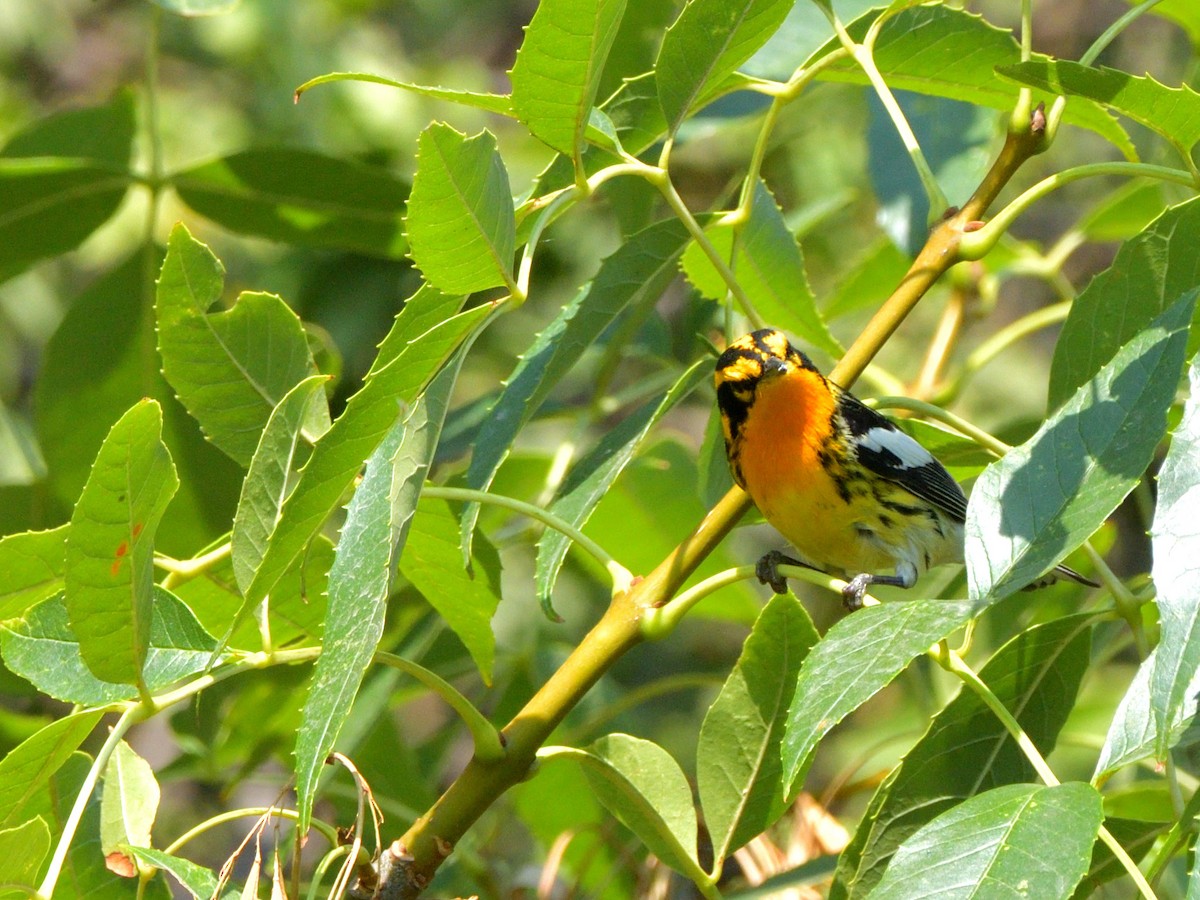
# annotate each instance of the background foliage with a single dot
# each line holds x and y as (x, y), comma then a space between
(252, 348)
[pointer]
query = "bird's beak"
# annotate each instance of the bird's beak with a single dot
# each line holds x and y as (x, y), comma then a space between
(775, 366)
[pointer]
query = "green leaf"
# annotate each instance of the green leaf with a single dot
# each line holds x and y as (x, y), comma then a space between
(559, 65)
(967, 750)
(738, 769)
(769, 267)
(946, 52)
(1122, 213)
(1149, 273)
(708, 41)
(231, 368)
(423, 311)
(1183, 13)
(101, 134)
(29, 766)
(466, 599)
(129, 802)
(22, 850)
(198, 881)
(339, 455)
(858, 657)
(639, 783)
(265, 486)
(461, 222)
(375, 532)
(870, 280)
(42, 648)
(494, 103)
(84, 873)
(1039, 502)
(640, 269)
(298, 601)
(86, 384)
(51, 205)
(109, 575)
(591, 478)
(1175, 537)
(359, 583)
(31, 568)
(1172, 112)
(1015, 841)
(300, 197)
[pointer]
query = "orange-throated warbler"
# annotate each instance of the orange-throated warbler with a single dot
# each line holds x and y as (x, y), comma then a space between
(851, 492)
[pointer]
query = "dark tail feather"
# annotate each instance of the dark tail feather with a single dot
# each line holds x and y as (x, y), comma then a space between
(1057, 574)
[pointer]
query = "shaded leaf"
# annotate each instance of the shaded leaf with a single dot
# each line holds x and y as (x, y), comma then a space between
(339, 455)
(466, 599)
(1039, 502)
(559, 65)
(101, 134)
(231, 368)
(51, 205)
(374, 534)
(967, 750)
(86, 384)
(22, 850)
(1150, 272)
(300, 197)
(858, 657)
(640, 269)
(29, 766)
(265, 485)
(1017, 840)
(642, 785)
(42, 648)
(738, 769)
(109, 574)
(461, 222)
(590, 478)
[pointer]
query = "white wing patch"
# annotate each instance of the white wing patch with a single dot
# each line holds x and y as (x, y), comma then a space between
(887, 440)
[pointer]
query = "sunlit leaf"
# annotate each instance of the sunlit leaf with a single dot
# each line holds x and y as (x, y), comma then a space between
(1017, 840)
(1039, 502)
(109, 575)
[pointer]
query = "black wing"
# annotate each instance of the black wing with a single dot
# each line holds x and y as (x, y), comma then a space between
(890, 453)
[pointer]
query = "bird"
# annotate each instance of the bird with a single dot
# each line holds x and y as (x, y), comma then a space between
(849, 490)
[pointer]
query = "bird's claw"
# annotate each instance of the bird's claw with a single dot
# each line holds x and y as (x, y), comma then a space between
(852, 593)
(767, 570)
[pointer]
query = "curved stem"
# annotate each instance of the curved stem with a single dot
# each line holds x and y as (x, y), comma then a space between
(250, 812)
(997, 343)
(976, 244)
(127, 720)
(684, 214)
(954, 664)
(929, 411)
(621, 576)
(864, 55)
(483, 734)
(179, 570)
(1115, 29)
